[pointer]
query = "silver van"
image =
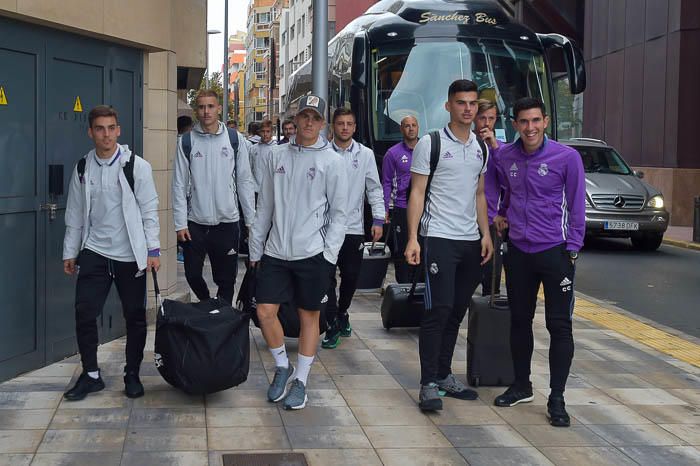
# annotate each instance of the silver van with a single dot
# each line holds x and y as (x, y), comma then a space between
(618, 203)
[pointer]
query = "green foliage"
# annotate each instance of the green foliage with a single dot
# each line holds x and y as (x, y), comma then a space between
(214, 82)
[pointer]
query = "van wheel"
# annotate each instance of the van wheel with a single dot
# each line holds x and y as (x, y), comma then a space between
(647, 241)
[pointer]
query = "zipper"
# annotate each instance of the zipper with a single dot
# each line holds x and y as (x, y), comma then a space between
(527, 198)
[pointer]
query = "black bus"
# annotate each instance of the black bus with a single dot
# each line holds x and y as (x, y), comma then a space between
(399, 58)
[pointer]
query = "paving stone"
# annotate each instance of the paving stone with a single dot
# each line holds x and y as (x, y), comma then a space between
(109, 418)
(166, 439)
(379, 397)
(584, 397)
(644, 396)
(171, 458)
(335, 437)
(58, 369)
(241, 417)
(655, 456)
(82, 459)
(103, 399)
(365, 382)
(36, 384)
(325, 397)
(616, 414)
(467, 415)
(669, 414)
(12, 459)
(406, 437)
(390, 416)
(342, 457)
(523, 456)
(247, 438)
(687, 432)
(675, 380)
(168, 399)
(11, 419)
(363, 368)
(645, 434)
(82, 440)
(29, 400)
(235, 398)
(689, 395)
(20, 441)
(421, 457)
(548, 436)
(167, 417)
(319, 416)
(585, 456)
(622, 380)
(483, 436)
(525, 414)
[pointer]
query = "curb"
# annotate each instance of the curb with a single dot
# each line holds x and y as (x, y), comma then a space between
(682, 244)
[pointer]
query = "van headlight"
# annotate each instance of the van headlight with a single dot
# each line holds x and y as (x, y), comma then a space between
(656, 202)
(588, 203)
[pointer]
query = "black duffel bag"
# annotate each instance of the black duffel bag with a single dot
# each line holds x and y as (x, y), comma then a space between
(201, 348)
(288, 314)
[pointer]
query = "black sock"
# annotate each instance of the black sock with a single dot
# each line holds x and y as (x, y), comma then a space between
(556, 394)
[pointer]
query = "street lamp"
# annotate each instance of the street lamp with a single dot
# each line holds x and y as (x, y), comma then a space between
(210, 32)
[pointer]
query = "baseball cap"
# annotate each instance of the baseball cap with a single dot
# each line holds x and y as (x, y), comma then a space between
(313, 102)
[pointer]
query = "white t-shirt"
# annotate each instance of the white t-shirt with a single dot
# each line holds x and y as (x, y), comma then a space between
(450, 207)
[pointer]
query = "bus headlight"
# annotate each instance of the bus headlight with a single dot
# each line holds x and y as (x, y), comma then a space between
(656, 202)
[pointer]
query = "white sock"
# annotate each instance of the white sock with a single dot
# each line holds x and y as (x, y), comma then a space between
(280, 355)
(304, 367)
(94, 374)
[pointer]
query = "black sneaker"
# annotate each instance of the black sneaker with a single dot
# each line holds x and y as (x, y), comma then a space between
(332, 338)
(556, 412)
(84, 386)
(133, 388)
(429, 398)
(513, 396)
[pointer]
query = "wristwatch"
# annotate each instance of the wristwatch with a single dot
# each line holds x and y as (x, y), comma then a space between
(573, 255)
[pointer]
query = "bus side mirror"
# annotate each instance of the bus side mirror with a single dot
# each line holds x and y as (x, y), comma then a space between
(360, 61)
(575, 65)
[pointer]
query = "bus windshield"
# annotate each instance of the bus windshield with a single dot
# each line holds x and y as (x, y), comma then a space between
(415, 82)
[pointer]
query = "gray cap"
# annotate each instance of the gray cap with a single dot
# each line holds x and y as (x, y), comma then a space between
(313, 102)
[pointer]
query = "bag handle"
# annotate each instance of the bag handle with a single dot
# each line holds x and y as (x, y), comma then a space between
(498, 244)
(156, 288)
(385, 238)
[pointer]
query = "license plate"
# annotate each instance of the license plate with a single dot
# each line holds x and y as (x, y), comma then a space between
(617, 225)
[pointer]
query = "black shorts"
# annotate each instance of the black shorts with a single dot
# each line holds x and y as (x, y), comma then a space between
(303, 282)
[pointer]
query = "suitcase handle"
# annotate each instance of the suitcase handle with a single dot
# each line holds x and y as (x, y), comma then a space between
(498, 244)
(156, 288)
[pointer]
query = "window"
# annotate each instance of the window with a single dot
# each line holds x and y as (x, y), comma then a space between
(331, 29)
(299, 26)
(284, 37)
(262, 18)
(291, 33)
(308, 51)
(281, 70)
(303, 25)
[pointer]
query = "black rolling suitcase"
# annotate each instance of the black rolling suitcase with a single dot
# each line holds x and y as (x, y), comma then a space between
(288, 314)
(375, 263)
(201, 348)
(489, 361)
(403, 304)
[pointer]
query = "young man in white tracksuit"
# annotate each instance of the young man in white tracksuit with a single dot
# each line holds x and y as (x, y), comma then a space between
(112, 236)
(208, 182)
(297, 234)
(363, 177)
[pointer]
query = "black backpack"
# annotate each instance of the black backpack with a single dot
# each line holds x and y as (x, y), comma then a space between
(187, 143)
(128, 170)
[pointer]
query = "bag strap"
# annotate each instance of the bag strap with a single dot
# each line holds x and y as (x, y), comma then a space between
(187, 142)
(435, 147)
(156, 288)
(128, 170)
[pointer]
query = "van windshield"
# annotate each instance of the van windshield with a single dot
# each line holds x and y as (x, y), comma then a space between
(603, 160)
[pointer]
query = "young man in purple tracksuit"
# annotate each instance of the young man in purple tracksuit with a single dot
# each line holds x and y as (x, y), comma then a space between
(396, 179)
(544, 210)
(484, 124)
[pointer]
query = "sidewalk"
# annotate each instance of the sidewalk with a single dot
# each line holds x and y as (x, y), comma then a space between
(681, 237)
(630, 404)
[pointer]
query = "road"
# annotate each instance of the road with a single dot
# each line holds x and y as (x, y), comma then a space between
(663, 286)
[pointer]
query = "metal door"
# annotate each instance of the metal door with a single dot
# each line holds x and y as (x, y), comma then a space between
(21, 309)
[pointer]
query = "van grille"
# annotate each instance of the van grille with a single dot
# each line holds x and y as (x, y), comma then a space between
(618, 201)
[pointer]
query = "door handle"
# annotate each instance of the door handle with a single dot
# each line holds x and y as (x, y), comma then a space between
(51, 207)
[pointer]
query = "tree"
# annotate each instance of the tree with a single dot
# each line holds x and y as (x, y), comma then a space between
(213, 82)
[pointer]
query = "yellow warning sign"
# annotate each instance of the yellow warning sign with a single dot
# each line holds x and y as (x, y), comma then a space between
(3, 97)
(77, 106)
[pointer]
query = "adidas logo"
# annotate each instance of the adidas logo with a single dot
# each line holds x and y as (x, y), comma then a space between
(565, 282)
(281, 170)
(232, 252)
(325, 299)
(514, 167)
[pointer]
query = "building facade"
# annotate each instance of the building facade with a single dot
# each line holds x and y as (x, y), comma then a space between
(259, 41)
(129, 55)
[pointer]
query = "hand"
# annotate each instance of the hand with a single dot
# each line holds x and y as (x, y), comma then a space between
(412, 253)
(488, 137)
(69, 266)
(253, 264)
(377, 232)
(386, 218)
(501, 224)
(184, 235)
(486, 249)
(153, 263)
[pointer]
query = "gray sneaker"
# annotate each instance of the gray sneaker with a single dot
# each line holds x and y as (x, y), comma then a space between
(429, 398)
(280, 383)
(297, 396)
(452, 386)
